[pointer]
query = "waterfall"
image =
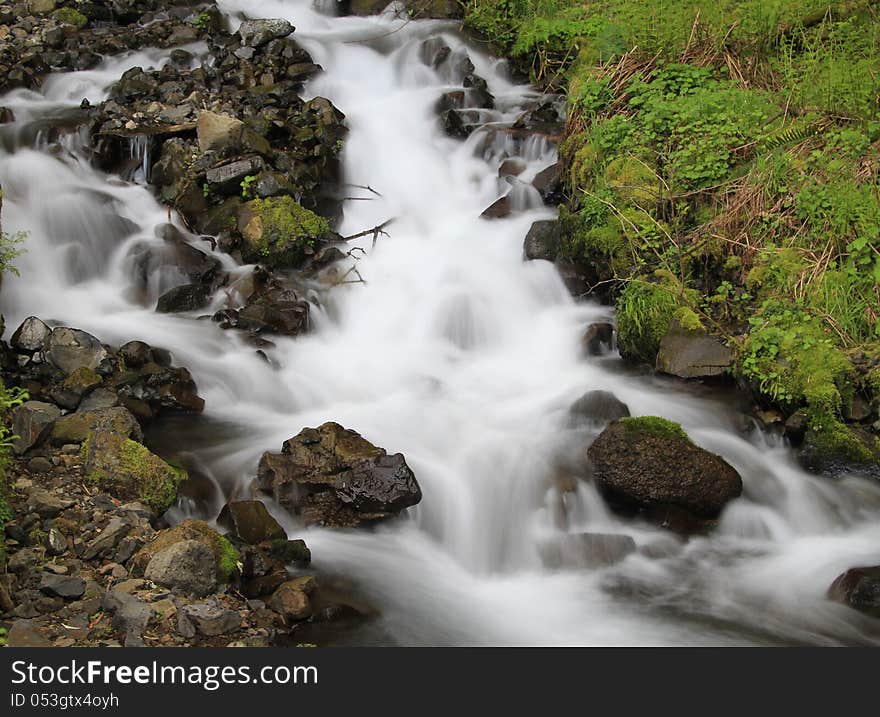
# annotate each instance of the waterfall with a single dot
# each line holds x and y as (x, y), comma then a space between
(456, 353)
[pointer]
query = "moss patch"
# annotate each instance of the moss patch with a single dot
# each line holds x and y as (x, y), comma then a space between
(279, 230)
(71, 16)
(830, 445)
(129, 471)
(226, 556)
(654, 426)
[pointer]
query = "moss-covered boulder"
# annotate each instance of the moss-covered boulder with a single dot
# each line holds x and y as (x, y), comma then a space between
(76, 427)
(225, 556)
(650, 466)
(128, 471)
(833, 448)
(279, 231)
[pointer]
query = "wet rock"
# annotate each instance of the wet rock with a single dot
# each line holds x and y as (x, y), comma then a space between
(796, 427)
(186, 567)
(548, 182)
(129, 471)
(542, 241)
(857, 410)
(600, 407)
(598, 339)
(251, 521)
(586, 550)
(136, 354)
(99, 399)
(31, 423)
(689, 354)
(31, 336)
(161, 388)
(71, 349)
(189, 297)
(499, 209)
(650, 465)
(130, 616)
(291, 599)
(256, 33)
(859, 588)
(75, 387)
(63, 586)
(24, 633)
(291, 552)
(76, 427)
(208, 618)
(332, 476)
(217, 132)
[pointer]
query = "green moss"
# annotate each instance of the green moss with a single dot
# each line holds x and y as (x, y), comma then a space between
(633, 181)
(225, 554)
(655, 426)
(129, 471)
(228, 559)
(280, 230)
(644, 313)
(71, 16)
(830, 442)
(82, 380)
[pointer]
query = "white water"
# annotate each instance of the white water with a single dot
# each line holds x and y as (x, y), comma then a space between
(457, 354)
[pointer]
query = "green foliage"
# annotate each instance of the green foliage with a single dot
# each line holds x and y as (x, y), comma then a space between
(790, 358)
(281, 229)
(9, 399)
(247, 188)
(654, 426)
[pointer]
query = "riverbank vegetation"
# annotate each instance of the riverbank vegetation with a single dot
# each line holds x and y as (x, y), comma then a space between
(721, 169)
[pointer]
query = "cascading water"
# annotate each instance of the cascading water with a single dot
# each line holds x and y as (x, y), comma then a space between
(456, 353)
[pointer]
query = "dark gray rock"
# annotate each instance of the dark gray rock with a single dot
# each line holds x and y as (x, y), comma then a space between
(693, 355)
(63, 586)
(227, 178)
(207, 618)
(24, 633)
(599, 407)
(107, 539)
(130, 616)
(189, 297)
(542, 241)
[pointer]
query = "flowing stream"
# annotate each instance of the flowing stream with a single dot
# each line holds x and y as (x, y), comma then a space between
(456, 353)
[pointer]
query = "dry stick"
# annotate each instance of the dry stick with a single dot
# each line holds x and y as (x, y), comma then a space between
(375, 231)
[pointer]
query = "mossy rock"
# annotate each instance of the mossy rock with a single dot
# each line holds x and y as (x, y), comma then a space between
(128, 471)
(279, 231)
(71, 16)
(834, 448)
(225, 554)
(76, 427)
(654, 426)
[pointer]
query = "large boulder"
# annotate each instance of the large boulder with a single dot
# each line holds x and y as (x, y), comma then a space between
(256, 33)
(31, 422)
(332, 476)
(70, 349)
(279, 231)
(217, 132)
(650, 465)
(859, 588)
(542, 241)
(128, 471)
(689, 354)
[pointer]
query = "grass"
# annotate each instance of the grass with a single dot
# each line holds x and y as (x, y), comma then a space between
(721, 163)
